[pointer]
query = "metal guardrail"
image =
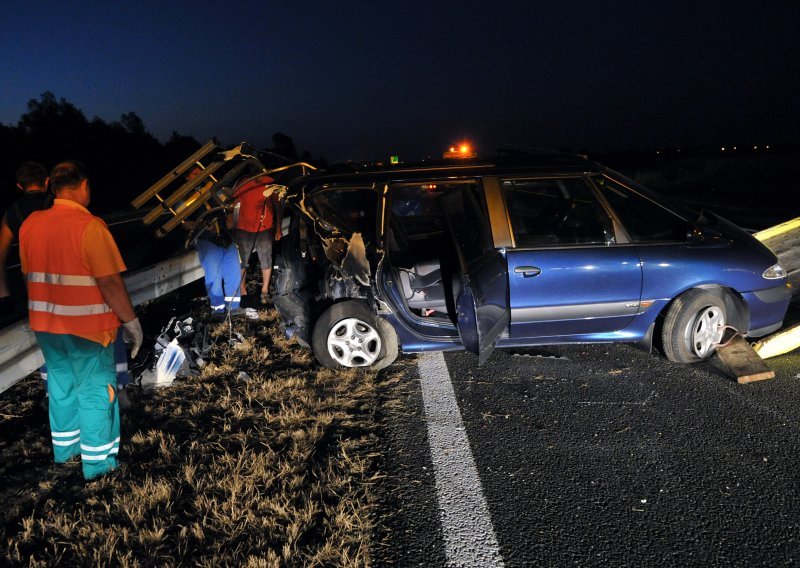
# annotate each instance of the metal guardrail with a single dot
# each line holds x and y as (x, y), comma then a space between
(19, 353)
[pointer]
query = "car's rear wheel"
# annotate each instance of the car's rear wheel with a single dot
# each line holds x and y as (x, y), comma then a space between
(693, 326)
(349, 334)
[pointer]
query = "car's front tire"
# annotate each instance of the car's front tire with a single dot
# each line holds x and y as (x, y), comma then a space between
(349, 334)
(693, 326)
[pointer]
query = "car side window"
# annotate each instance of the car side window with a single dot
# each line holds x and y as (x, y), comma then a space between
(417, 224)
(351, 210)
(558, 211)
(643, 219)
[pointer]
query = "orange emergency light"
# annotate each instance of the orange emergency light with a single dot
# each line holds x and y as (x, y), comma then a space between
(462, 151)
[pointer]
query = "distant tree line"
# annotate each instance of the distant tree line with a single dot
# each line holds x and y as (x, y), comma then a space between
(123, 158)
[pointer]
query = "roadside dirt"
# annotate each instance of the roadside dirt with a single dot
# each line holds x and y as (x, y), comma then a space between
(277, 469)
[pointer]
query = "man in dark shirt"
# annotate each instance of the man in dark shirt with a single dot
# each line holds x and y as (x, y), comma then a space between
(32, 180)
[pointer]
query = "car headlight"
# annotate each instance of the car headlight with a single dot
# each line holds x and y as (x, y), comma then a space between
(774, 272)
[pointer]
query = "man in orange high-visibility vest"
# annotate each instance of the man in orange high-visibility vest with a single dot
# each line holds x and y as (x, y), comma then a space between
(76, 301)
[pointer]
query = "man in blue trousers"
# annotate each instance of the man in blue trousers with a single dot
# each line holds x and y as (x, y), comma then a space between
(219, 258)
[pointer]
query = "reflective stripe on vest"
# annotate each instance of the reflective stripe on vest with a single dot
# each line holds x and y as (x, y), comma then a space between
(61, 279)
(61, 310)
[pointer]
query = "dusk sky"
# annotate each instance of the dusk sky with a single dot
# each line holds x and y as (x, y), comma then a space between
(365, 80)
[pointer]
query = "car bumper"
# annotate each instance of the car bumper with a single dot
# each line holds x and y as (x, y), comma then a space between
(767, 309)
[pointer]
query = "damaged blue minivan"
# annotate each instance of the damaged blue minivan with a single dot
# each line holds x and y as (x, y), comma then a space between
(517, 250)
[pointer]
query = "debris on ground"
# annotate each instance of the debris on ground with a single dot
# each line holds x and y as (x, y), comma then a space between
(179, 351)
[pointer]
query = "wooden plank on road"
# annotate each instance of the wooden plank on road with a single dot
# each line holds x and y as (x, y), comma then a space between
(741, 359)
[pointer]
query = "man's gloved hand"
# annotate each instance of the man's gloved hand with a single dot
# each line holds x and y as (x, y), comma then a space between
(132, 333)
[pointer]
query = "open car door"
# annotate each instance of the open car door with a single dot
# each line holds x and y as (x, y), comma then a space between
(481, 295)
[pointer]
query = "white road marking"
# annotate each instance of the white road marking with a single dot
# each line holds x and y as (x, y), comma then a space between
(467, 527)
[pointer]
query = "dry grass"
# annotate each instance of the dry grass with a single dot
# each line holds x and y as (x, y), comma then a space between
(278, 470)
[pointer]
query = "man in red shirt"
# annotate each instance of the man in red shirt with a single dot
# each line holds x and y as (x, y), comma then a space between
(257, 226)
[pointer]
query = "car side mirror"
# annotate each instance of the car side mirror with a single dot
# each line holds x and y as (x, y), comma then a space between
(695, 236)
(704, 236)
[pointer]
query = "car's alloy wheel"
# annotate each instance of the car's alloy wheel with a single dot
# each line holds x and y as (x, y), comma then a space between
(693, 326)
(354, 343)
(349, 334)
(706, 331)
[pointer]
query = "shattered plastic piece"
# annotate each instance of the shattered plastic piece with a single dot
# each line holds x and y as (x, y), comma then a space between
(178, 352)
(355, 262)
(349, 256)
(168, 364)
(147, 380)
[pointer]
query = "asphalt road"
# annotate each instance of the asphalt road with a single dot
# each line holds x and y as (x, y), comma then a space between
(607, 455)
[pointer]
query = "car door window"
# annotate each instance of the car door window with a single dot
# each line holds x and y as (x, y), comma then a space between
(643, 219)
(468, 221)
(351, 210)
(416, 224)
(558, 211)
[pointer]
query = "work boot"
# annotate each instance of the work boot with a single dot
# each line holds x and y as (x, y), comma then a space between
(122, 398)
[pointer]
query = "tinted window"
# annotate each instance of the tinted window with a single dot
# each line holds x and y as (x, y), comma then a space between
(350, 210)
(643, 219)
(560, 211)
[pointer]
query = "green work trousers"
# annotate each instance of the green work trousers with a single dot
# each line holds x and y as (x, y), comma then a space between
(84, 413)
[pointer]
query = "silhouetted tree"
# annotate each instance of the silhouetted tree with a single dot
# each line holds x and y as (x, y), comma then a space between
(283, 145)
(180, 147)
(47, 114)
(132, 123)
(123, 158)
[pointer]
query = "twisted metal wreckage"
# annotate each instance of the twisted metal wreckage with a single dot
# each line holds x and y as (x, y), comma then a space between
(198, 203)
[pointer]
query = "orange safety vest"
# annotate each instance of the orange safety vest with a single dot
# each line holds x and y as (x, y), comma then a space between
(63, 296)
